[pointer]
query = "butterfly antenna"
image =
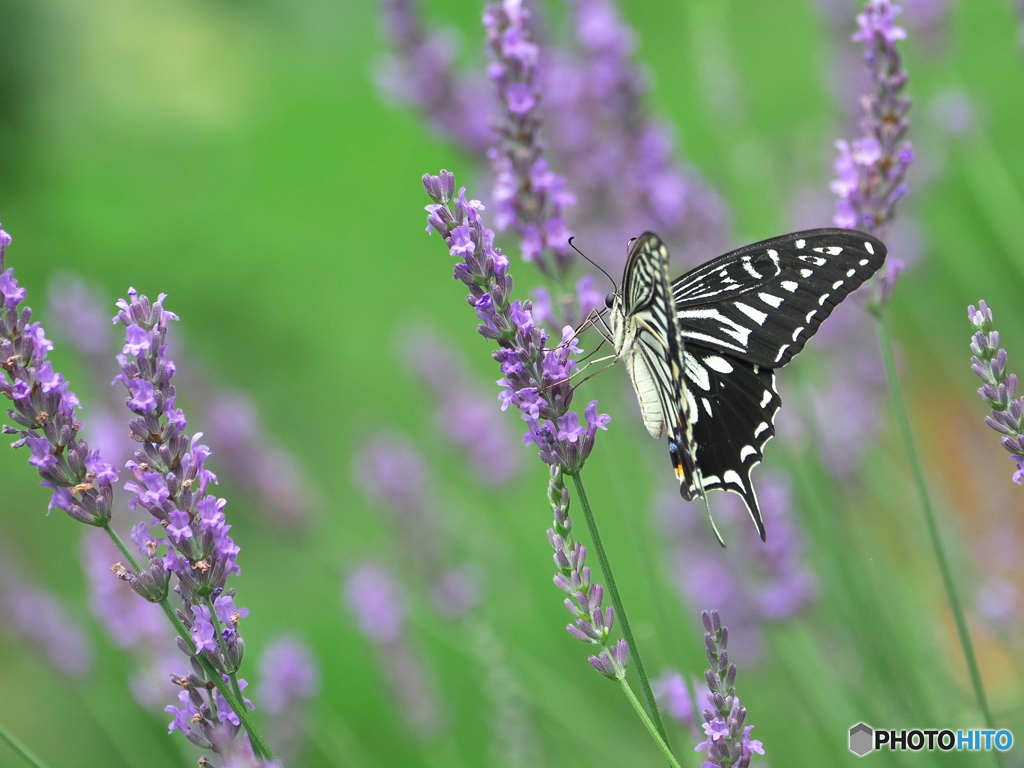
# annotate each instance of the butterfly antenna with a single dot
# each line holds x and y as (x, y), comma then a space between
(581, 253)
(707, 505)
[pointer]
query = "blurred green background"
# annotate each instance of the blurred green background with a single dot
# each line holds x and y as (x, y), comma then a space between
(239, 158)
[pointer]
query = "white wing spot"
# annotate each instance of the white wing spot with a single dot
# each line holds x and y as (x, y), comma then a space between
(800, 243)
(760, 428)
(863, 262)
(805, 273)
(789, 285)
(766, 399)
(750, 268)
(754, 314)
(836, 284)
(821, 301)
(815, 260)
(747, 450)
(719, 364)
(733, 478)
(810, 314)
(757, 369)
(707, 405)
(797, 332)
(834, 250)
(869, 248)
(698, 373)
(709, 480)
(851, 273)
(782, 351)
(772, 301)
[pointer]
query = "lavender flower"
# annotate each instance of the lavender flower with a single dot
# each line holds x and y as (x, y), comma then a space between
(593, 622)
(464, 414)
(41, 621)
(289, 678)
(136, 626)
(676, 697)
(536, 379)
(374, 598)
(871, 169)
(1000, 388)
(420, 73)
(172, 483)
(757, 582)
(622, 162)
(528, 195)
(393, 475)
(249, 456)
(728, 741)
(44, 410)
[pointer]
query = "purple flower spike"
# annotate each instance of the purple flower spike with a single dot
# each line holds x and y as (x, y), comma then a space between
(728, 741)
(44, 411)
(464, 414)
(999, 392)
(870, 170)
(172, 483)
(529, 197)
(536, 379)
(374, 598)
(593, 623)
(421, 72)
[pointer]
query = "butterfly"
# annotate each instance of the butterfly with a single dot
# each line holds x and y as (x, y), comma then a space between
(701, 350)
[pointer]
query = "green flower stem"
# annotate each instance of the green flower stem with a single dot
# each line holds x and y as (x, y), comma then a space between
(18, 747)
(620, 611)
(929, 515)
(259, 744)
(647, 721)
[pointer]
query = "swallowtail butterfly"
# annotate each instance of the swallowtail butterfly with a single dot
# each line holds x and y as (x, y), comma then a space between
(702, 350)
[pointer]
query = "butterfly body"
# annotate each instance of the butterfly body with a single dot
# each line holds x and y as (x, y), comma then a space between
(702, 350)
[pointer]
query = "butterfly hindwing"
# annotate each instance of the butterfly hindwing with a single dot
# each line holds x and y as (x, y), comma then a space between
(736, 404)
(762, 303)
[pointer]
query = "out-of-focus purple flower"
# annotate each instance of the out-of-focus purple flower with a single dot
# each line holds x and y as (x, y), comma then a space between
(870, 170)
(464, 414)
(289, 678)
(536, 379)
(44, 411)
(676, 696)
(392, 474)
(988, 362)
(998, 601)
(620, 161)
(529, 196)
(755, 581)
(41, 622)
(728, 741)
(593, 622)
(420, 72)
(252, 459)
(136, 626)
(374, 598)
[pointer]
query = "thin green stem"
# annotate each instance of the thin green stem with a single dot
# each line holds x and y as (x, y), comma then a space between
(237, 703)
(15, 744)
(620, 610)
(647, 722)
(929, 515)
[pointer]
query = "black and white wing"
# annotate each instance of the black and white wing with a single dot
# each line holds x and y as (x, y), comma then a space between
(762, 303)
(647, 339)
(734, 409)
(702, 350)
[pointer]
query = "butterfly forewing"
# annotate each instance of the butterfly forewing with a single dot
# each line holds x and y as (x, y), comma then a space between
(701, 350)
(763, 302)
(647, 337)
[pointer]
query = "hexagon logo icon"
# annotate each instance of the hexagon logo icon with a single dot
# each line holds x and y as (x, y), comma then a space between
(862, 739)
